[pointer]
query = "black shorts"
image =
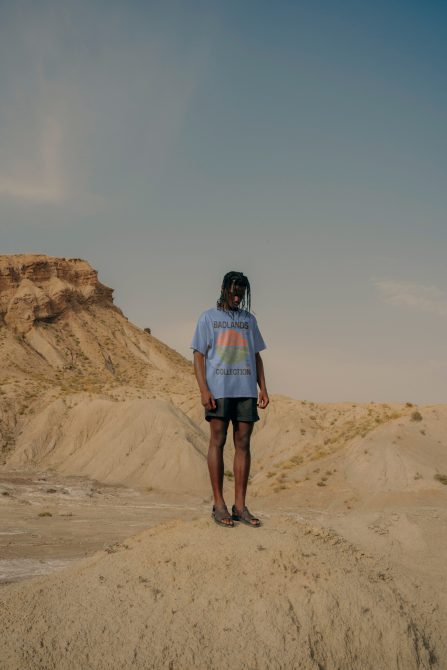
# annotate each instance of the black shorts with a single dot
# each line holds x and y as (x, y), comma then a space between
(236, 409)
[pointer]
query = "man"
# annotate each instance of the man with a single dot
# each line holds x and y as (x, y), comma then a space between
(228, 367)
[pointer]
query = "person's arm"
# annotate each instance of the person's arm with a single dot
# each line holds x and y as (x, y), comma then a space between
(263, 399)
(199, 368)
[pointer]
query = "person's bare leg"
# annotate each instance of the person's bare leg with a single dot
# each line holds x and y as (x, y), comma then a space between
(242, 431)
(218, 436)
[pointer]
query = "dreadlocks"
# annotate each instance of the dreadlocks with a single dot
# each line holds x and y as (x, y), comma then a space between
(240, 281)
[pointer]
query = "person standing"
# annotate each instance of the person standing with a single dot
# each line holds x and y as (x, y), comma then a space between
(228, 368)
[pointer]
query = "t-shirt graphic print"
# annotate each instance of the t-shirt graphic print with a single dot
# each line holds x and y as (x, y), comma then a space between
(229, 342)
(232, 347)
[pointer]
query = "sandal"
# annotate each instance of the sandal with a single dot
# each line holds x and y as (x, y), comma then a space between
(221, 513)
(245, 517)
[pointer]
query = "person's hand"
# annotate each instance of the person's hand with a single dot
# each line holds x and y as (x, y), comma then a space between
(263, 399)
(208, 400)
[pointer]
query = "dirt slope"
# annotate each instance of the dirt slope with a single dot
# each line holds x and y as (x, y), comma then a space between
(132, 442)
(191, 594)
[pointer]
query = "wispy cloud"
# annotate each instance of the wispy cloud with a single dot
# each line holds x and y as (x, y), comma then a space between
(410, 294)
(92, 103)
(41, 179)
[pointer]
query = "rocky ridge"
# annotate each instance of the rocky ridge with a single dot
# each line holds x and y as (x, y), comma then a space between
(37, 288)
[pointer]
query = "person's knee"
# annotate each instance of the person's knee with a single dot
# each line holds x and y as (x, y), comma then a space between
(242, 443)
(218, 439)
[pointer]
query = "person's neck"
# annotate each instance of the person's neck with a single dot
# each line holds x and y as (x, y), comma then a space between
(227, 308)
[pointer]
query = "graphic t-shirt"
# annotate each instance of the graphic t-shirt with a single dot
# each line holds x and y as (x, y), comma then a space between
(229, 342)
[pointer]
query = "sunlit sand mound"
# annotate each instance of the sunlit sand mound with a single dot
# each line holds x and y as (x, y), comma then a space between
(296, 440)
(132, 442)
(194, 595)
(406, 454)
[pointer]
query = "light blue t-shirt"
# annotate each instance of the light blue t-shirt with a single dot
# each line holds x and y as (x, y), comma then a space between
(229, 342)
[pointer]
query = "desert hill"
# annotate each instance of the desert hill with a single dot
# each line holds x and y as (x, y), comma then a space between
(148, 443)
(191, 595)
(61, 336)
(356, 450)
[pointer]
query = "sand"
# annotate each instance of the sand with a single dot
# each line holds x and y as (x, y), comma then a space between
(314, 587)
(191, 594)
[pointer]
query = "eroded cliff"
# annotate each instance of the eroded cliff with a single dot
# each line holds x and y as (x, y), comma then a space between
(37, 288)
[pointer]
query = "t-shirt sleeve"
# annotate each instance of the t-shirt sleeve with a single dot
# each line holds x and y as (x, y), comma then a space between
(259, 343)
(200, 341)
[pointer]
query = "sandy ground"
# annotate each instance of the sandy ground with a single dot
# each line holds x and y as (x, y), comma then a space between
(86, 515)
(347, 571)
(130, 578)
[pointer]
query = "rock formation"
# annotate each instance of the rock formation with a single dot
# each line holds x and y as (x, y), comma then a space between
(61, 336)
(36, 288)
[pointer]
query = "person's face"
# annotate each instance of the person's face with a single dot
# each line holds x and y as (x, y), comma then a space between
(235, 296)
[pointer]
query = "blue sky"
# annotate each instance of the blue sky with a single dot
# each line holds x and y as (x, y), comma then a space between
(303, 143)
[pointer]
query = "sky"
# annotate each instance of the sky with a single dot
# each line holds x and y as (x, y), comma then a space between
(302, 143)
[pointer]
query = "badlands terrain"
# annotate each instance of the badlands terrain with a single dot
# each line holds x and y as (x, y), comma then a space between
(108, 555)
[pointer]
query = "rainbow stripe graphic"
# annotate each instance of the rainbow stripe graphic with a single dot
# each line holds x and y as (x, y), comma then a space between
(231, 347)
